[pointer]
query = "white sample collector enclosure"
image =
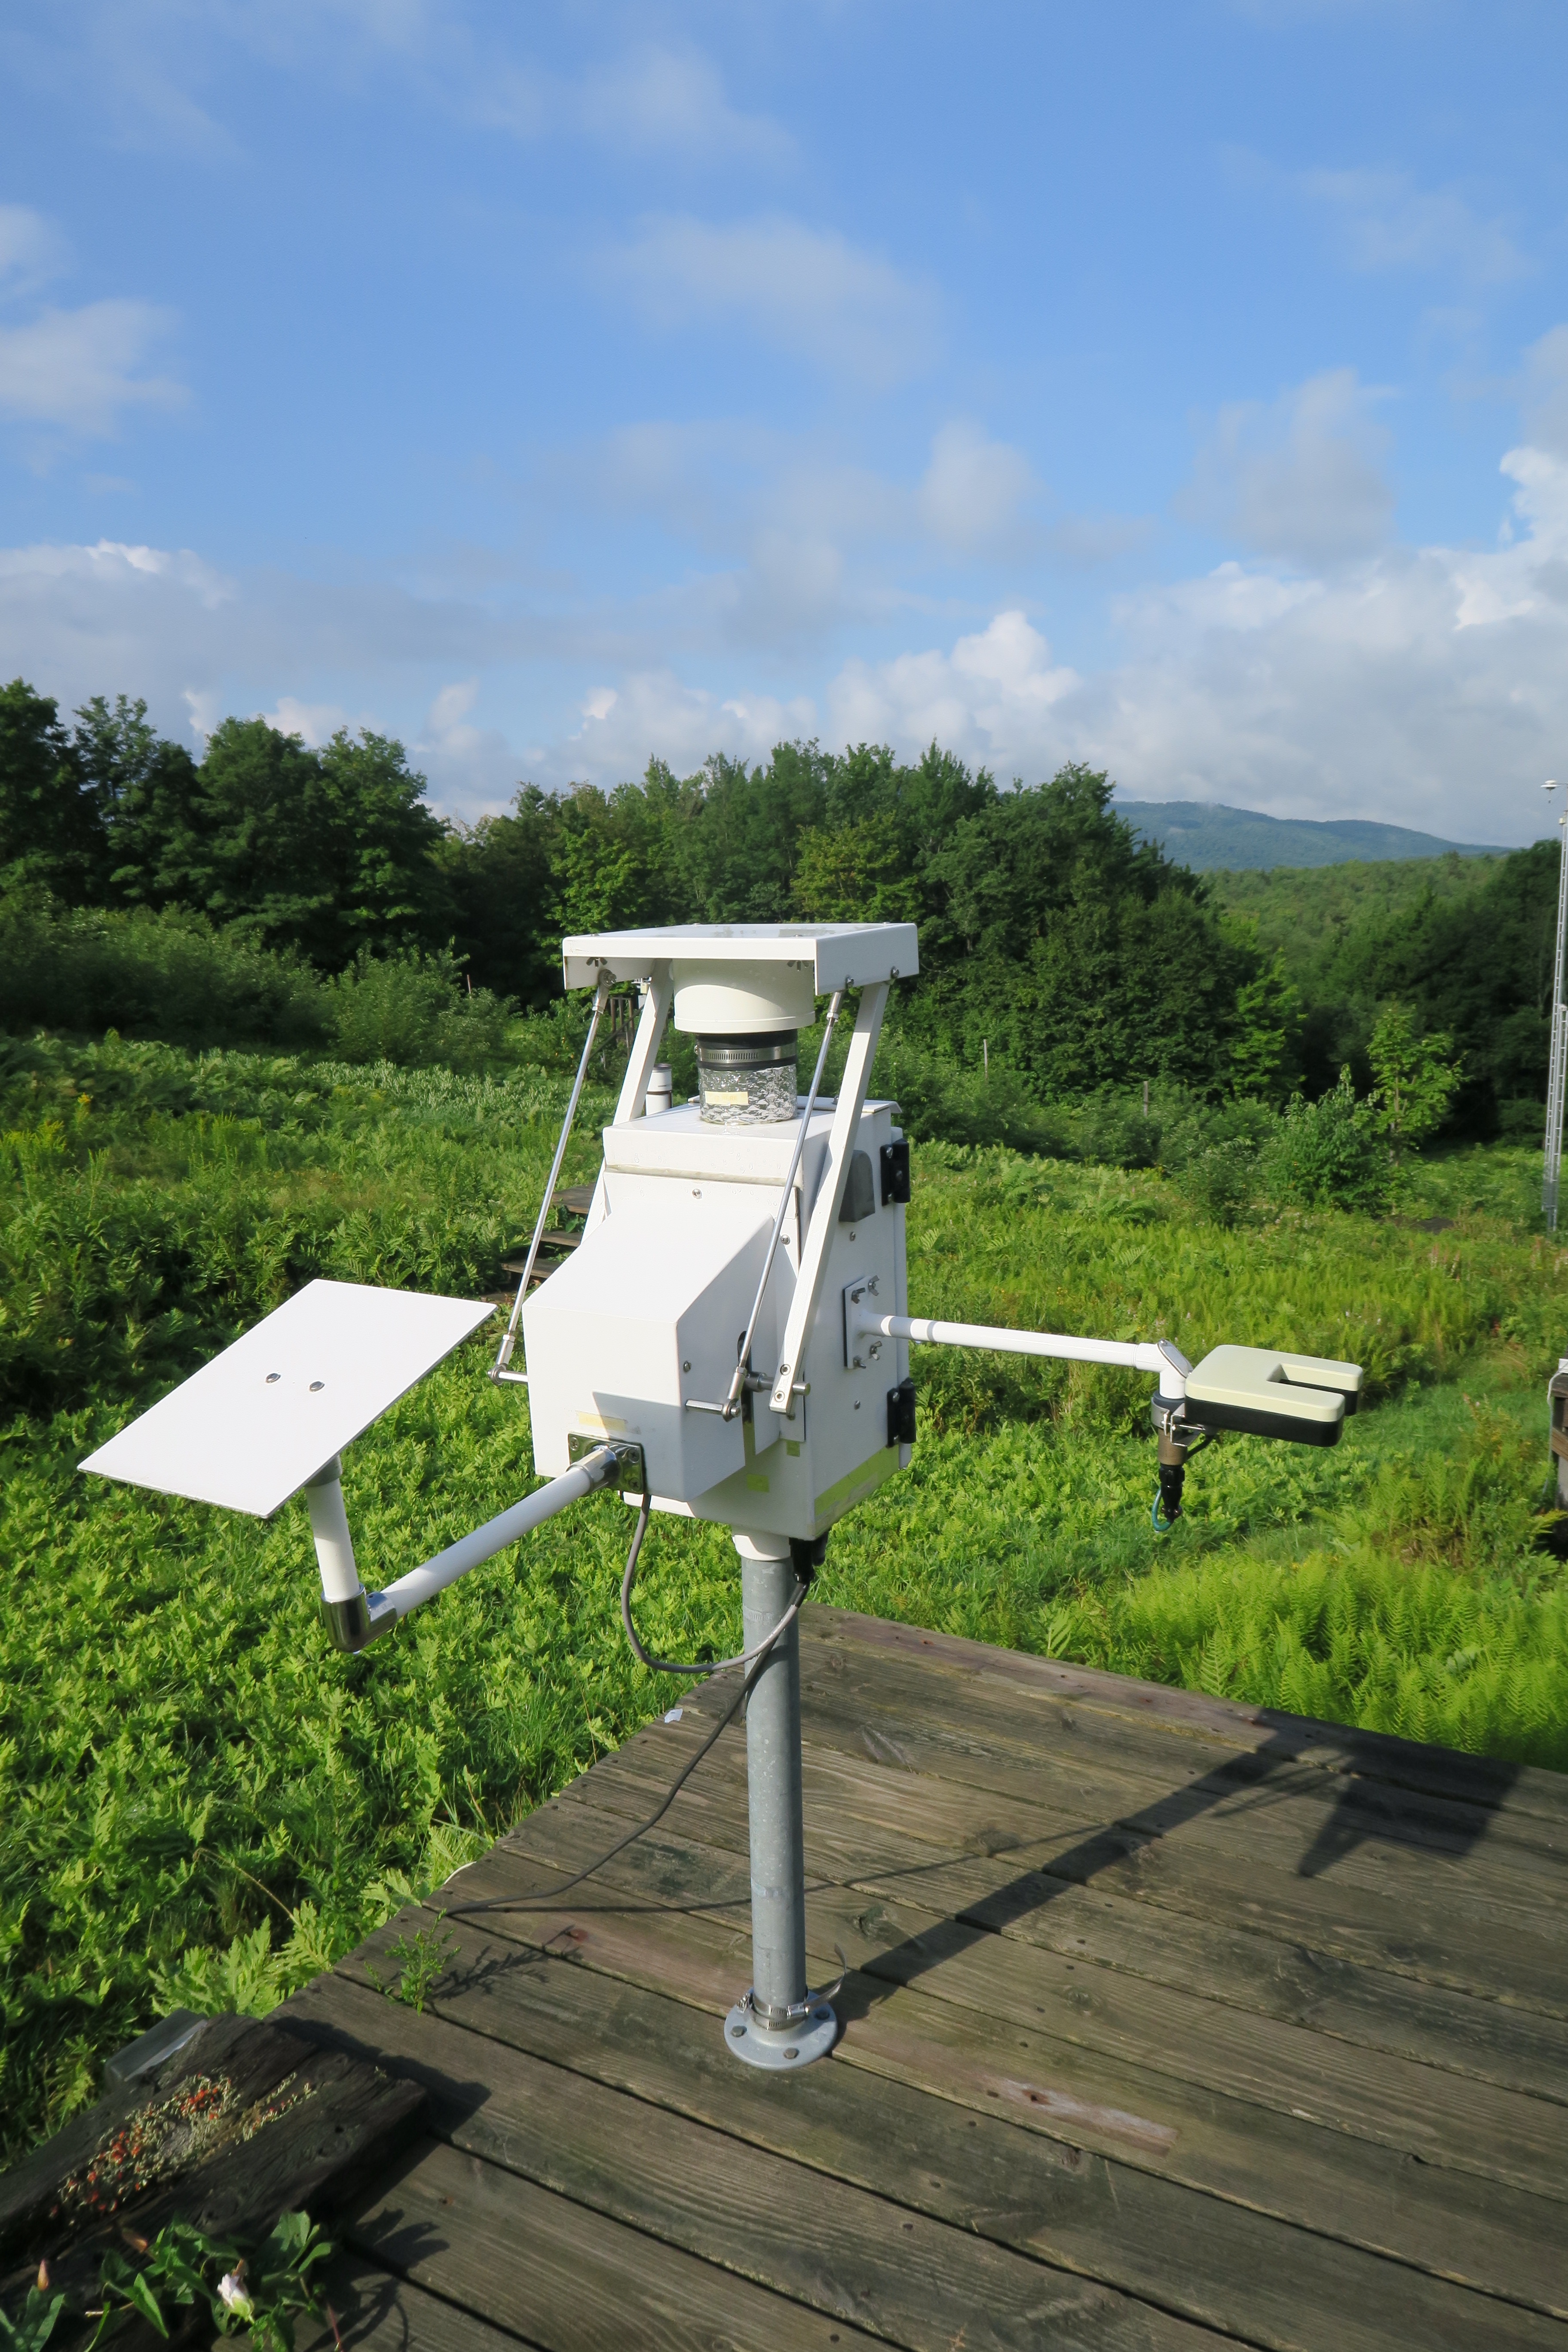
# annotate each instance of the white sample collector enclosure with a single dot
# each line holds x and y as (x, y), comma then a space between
(638, 1336)
(644, 1319)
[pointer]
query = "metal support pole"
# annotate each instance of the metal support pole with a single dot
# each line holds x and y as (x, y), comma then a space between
(778, 2024)
(1557, 1076)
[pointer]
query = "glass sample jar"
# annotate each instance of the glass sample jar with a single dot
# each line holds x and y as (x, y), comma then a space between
(747, 1081)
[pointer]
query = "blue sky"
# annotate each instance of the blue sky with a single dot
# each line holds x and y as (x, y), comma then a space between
(1181, 385)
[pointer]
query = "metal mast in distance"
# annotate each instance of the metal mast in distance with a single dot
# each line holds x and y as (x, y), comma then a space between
(1558, 1073)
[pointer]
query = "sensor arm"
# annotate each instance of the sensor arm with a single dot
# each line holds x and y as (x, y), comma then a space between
(1157, 1355)
(356, 1617)
(1303, 1400)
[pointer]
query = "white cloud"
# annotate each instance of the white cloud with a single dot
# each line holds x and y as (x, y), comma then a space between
(1546, 391)
(472, 769)
(651, 715)
(151, 66)
(1428, 686)
(111, 564)
(31, 250)
(973, 493)
(675, 101)
(809, 292)
(1389, 223)
(315, 723)
(78, 370)
(1299, 479)
(990, 699)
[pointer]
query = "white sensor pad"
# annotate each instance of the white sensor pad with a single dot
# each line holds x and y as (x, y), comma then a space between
(249, 1428)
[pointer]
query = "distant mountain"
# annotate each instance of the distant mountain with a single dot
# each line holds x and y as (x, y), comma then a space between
(1205, 835)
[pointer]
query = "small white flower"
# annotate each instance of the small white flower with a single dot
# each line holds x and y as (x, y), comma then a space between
(232, 2294)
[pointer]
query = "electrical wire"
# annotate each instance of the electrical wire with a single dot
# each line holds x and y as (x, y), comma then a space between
(1161, 1524)
(688, 1665)
(756, 1659)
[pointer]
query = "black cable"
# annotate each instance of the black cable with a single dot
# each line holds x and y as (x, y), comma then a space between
(530, 1903)
(685, 1665)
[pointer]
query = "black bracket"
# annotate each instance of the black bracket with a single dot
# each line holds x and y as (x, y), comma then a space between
(901, 1413)
(895, 1158)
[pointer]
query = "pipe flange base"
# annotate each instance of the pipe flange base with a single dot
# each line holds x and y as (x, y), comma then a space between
(782, 2052)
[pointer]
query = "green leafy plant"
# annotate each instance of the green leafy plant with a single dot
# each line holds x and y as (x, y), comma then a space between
(423, 1961)
(35, 2323)
(262, 2292)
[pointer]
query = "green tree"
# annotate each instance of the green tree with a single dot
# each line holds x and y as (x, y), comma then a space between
(51, 826)
(325, 851)
(498, 878)
(1417, 1077)
(856, 873)
(147, 790)
(1263, 1046)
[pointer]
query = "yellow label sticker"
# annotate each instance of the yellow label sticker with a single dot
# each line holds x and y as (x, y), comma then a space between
(758, 1485)
(601, 1421)
(741, 1099)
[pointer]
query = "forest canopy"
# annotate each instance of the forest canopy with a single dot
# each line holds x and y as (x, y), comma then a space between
(1053, 940)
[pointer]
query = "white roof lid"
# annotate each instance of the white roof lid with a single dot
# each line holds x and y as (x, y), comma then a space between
(251, 1427)
(842, 955)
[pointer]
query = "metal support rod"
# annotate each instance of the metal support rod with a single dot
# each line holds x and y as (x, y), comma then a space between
(356, 1617)
(658, 996)
(1157, 1355)
(1557, 1078)
(738, 1379)
(773, 1787)
(819, 1235)
(509, 1337)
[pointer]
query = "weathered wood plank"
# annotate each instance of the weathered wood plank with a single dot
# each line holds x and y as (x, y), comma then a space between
(534, 2263)
(1214, 2262)
(913, 2279)
(1355, 2003)
(374, 2311)
(1408, 2104)
(1414, 1924)
(1441, 1772)
(1298, 1832)
(1459, 2226)
(1471, 2127)
(969, 1715)
(1186, 2028)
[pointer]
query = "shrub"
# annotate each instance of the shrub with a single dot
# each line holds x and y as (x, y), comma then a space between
(411, 1008)
(1222, 1180)
(1328, 1154)
(172, 975)
(940, 1102)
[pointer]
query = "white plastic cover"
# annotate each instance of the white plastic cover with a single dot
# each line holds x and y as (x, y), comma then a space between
(838, 955)
(249, 1428)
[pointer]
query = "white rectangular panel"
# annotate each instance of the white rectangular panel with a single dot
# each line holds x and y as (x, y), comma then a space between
(842, 955)
(249, 1428)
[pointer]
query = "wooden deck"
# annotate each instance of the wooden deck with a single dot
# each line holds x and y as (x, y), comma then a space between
(1168, 2022)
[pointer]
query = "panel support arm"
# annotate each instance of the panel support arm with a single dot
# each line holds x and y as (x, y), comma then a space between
(354, 1617)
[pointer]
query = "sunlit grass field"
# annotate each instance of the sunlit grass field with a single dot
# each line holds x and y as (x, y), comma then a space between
(200, 1802)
